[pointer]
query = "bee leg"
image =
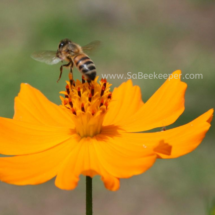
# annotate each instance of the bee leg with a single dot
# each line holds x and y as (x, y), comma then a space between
(71, 75)
(61, 70)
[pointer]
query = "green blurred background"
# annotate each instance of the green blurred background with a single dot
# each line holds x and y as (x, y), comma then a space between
(138, 36)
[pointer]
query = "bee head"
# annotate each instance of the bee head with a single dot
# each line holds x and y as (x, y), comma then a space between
(63, 43)
(67, 47)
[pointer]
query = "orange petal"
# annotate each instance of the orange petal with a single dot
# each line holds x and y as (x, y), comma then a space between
(83, 160)
(35, 168)
(183, 139)
(134, 143)
(122, 158)
(162, 109)
(32, 106)
(163, 148)
(186, 138)
(18, 137)
(126, 100)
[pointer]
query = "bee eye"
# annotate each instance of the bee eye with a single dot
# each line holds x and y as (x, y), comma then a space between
(61, 45)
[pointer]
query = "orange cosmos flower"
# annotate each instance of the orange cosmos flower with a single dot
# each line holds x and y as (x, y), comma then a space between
(93, 133)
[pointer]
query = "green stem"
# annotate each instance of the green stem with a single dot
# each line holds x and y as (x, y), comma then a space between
(89, 196)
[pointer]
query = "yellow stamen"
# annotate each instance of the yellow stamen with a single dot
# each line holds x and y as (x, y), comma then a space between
(88, 103)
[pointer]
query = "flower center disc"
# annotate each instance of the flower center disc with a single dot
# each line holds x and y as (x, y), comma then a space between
(88, 103)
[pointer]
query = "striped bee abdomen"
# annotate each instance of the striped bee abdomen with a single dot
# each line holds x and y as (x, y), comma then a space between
(86, 66)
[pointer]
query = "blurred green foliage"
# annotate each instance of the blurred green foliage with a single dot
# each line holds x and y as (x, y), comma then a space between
(140, 36)
(211, 208)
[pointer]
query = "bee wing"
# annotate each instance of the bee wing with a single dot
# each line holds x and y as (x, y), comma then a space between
(91, 47)
(48, 57)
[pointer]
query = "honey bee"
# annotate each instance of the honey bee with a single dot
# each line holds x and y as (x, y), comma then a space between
(74, 54)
